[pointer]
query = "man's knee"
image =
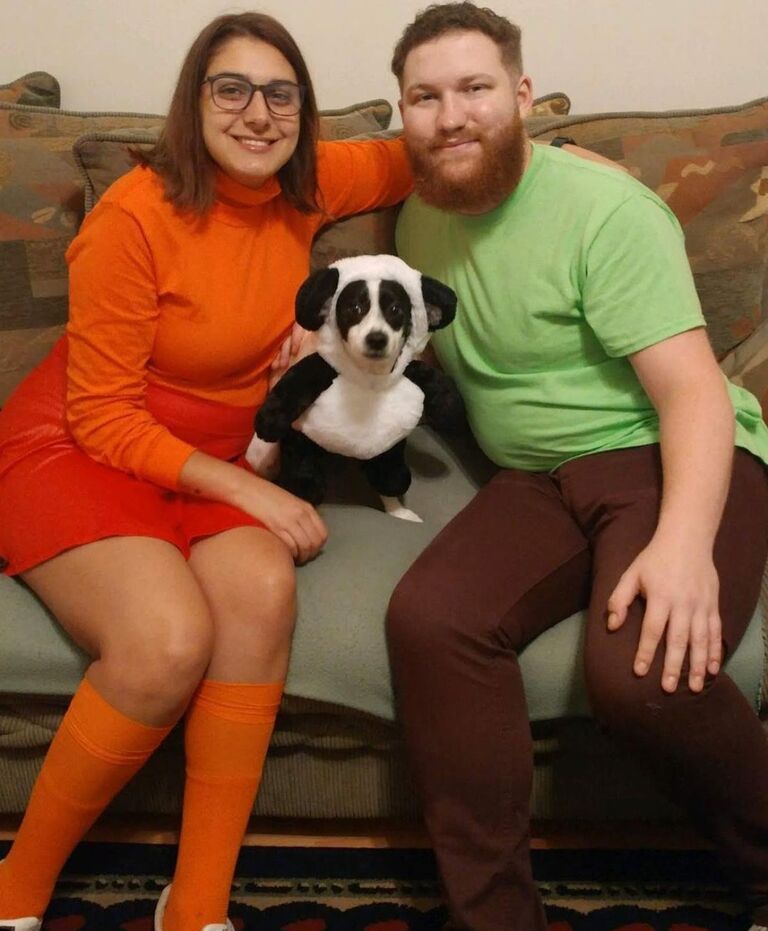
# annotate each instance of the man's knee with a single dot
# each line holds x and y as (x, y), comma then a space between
(420, 616)
(630, 704)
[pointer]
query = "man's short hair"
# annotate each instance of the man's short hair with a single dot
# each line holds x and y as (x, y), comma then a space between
(441, 18)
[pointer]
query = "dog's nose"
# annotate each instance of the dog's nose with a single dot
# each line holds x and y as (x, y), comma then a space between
(376, 340)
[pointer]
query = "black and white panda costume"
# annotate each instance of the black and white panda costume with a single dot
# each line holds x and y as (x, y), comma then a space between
(362, 392)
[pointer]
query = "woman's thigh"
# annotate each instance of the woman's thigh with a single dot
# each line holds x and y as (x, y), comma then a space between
(135, 607)
(249, 581)
(110, 593)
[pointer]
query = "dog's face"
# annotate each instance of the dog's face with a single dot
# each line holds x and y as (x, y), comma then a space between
(374, 319)
(374, 313)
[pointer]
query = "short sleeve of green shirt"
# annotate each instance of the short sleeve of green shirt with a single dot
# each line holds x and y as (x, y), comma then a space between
(637, 288)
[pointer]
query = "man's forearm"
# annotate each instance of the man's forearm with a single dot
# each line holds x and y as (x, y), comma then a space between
(688, 390)
(697, 438)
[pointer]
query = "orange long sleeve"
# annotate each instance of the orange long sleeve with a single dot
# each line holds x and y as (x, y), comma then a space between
(196, 305)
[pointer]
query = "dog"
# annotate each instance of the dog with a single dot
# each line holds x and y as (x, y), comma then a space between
(363, 391)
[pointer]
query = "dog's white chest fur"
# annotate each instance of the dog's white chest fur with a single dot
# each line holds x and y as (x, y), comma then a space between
(362, 422)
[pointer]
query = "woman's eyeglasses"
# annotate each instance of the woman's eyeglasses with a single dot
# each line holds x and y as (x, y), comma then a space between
(235, 92)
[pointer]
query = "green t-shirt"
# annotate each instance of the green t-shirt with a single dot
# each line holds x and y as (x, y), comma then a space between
(581, 266)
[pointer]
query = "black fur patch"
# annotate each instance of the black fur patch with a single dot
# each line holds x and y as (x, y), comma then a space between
(352, 305)
(396, 306)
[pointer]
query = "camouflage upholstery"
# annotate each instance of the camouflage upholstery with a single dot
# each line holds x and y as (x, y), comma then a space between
(41, 206)
(36, 89)
(557, 104)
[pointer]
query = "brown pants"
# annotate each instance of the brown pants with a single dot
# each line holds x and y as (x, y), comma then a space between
(527, 552)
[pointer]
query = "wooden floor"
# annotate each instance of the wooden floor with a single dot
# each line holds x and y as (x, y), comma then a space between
(389, 834)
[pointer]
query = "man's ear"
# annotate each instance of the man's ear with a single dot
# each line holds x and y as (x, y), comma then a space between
(524, 95)
(313, 296)
(440, 301)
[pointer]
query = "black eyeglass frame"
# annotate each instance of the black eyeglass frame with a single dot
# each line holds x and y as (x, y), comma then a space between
(255, 87)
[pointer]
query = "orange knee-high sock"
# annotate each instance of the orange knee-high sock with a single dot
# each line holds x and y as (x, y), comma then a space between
(94, 753)
(227, 735)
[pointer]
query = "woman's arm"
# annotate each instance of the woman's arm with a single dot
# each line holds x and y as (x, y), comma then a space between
(675, 573)
(113, 319)
(356, 176)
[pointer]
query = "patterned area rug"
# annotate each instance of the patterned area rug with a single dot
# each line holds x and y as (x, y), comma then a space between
(113, 887)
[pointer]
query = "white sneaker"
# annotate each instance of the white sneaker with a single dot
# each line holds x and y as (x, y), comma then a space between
(159, 912)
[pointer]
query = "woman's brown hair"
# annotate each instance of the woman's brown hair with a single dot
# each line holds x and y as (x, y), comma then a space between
(180, 156)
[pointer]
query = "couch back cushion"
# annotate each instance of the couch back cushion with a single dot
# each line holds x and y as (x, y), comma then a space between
(711, 168)
(557, 104)
(41, 206)
(36, 89)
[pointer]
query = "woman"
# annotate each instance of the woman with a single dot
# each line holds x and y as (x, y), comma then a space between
(124, 501)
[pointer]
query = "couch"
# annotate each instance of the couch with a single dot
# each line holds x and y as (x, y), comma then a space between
(336, 751)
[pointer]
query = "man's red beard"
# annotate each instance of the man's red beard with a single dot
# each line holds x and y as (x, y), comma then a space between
(475, 184)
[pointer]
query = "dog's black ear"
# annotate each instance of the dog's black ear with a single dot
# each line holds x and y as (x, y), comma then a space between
(312, 296)
(440, 301)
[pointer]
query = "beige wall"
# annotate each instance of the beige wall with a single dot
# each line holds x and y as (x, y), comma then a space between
(605, 54)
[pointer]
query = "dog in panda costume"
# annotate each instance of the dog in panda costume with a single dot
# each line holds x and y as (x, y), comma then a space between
(363, 391)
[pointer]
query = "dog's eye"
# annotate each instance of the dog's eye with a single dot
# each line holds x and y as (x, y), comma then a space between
(357, 310)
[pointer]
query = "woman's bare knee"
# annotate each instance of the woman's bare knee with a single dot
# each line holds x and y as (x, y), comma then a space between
(161, 668)
(249, 580)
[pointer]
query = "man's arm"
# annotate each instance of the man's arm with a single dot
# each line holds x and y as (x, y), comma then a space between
(675, 573)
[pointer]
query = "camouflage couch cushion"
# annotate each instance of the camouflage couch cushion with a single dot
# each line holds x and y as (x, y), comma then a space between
(557, 104)
(711, 167)
(36, 89)
(41, 206)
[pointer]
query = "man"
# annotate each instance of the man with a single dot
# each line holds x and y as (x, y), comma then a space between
(580, 350)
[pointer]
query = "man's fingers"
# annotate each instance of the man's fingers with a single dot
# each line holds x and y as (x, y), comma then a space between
(654, 622)
(677, 645)
(715, 658)
(621, 598)
(699, 653)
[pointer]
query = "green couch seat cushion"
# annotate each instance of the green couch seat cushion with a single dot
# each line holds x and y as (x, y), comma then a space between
(339, 654)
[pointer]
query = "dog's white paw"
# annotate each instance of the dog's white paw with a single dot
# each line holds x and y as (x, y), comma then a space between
(263, 457)
(395, 508)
